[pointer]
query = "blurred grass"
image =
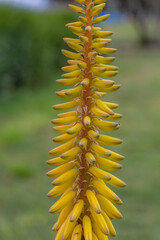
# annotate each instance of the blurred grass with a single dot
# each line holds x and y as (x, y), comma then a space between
(25, 140)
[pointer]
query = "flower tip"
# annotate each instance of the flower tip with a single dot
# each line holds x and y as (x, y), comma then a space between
(50, 152)
(98, 211)
(50, 210)
(108, 154)
(48, 194)
(48, 162)
(108, 177)
(124, 184)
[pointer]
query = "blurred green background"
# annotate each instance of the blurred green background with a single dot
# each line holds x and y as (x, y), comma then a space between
(30, 62)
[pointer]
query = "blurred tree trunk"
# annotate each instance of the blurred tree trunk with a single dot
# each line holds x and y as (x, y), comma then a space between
(137, 11)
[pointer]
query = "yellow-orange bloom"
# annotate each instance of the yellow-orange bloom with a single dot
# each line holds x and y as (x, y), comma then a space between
(82, 175)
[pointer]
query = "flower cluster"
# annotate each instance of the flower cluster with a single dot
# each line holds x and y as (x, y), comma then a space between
(82, 174)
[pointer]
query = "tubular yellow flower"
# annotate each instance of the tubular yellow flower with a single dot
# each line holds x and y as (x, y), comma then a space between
(82, 175)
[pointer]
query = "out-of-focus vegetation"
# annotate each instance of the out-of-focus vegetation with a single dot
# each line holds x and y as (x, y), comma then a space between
(25, 134)
(30, 46)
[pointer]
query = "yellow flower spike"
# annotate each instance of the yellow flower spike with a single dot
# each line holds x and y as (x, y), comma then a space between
(99, 219)
(71, 54)
(109, 67)
(74, 91)
(115, 116)
(100, 59)
(87, 121)
(85, 82)
(100, 150)
(76, 30)
(114, 87)
(75, 46)
(107, 74)
(102, 83)
(67, 114)
(56, 172)
(83, 142)
(71, 153)
(104, 34)
(68, 105)
(109, 208)
(107, 164)
(86, 204)
(98, 94)
(106, 50)
(58, 190)
(97, 70)
(99, 6)
(116, 182)
(112, 231)
(77, 210)
(65, 177)
(111, 105)
(119, 202)
(68, 94)
(70, 68)
(72, 40)
(77, 232)
(67, 81)
(59, 234)
(64, 147)
(75, 129)
(56, 161)
(99, 113)
(75, 24)
(61, 203)
(105, 125)
(90, 5)
(64, 120)
(90, 158)
(99, 40)
(77, 9)
(94, 237)
(63, 138)
(69, 227)
(93, 134)
(62, 129)
(97, 45)
(93, 201)
(98, 232)
(109, 140)
(115, 156)
(96, 12)
(87, 228)
(55, 228)
(72, 74)
(92, 55)
(104, 190)
(81, 65)
(83, 39)
(101, 19)
(99, 1)
(63, 215)
(99, 173)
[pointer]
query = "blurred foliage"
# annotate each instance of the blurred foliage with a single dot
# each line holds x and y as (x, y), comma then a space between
(30, 46)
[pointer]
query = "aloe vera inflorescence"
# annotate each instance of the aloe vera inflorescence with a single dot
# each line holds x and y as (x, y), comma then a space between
(82, 174)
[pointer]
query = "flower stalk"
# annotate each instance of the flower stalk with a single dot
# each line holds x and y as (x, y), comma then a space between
(83, 164)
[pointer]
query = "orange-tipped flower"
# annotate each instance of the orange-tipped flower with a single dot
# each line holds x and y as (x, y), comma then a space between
(82, 174)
